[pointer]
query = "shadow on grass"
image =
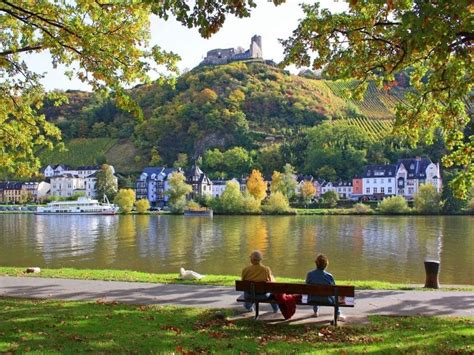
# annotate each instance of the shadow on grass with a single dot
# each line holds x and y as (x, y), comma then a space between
(52, 326)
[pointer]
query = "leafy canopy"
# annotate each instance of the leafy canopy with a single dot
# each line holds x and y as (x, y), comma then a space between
(375, 39)
(178, 189)
(103, 43)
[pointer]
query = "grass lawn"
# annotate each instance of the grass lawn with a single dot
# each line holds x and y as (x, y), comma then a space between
(57, 326)
(216, 280)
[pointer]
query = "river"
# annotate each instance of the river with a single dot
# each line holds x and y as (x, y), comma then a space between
(381, 248)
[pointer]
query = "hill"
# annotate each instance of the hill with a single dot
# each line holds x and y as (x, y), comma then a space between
(238, 104)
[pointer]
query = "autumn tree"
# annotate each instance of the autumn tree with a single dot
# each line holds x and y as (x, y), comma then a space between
(106, 182)
(374, 40)
(307, 191)
(178, 189)
(256, 186)
(125, 199)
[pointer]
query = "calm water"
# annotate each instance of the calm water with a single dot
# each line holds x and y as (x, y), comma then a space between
(359, 247)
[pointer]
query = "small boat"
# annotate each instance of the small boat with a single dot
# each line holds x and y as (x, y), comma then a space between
(83, 205)
(204, 212)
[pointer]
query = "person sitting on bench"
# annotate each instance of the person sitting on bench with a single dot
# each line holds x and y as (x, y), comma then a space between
(257, 272)
(320, 277)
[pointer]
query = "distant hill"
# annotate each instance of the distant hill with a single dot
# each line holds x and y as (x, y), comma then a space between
(238, 104)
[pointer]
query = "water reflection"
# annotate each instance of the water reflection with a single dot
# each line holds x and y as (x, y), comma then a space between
(359, 247)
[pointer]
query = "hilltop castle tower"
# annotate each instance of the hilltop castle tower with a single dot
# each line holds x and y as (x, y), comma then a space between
(227, 55)
(256, 47)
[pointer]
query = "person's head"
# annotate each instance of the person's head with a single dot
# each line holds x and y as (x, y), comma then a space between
(321, 261)
(256, 257)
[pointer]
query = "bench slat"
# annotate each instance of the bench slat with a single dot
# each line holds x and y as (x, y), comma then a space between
(242, 299)
(280, 287)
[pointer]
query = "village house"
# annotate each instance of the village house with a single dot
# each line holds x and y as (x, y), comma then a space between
(199, 181)
(412, 173)
(67, 185)
(37, 190)
(153, 183)
(53, 170)
(379, 180)
(357, 187)
(12, 192)
(403, 178)
(342, 188)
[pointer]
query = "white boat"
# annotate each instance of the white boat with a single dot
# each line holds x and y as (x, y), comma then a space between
(83, 205)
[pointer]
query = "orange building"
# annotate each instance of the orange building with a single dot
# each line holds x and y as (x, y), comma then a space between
(357, 189)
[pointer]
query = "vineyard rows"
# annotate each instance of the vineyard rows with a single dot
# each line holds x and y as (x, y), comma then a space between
(377, 103)
(375, 129)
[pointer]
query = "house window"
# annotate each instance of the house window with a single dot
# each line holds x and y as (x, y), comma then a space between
(382, 189)
(367, 190)
(389, 190)
(389, 180)
(411, 190)
(375, 181)
(375, 190)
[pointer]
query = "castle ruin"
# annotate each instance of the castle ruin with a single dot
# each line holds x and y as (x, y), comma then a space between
(227, 55)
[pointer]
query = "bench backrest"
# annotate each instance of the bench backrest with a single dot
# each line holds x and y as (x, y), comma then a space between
(303, 289)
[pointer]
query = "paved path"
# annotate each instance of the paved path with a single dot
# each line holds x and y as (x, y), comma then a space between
(443, 303)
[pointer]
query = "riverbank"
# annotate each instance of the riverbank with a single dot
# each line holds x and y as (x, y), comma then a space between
(58, 326)
(212, 280)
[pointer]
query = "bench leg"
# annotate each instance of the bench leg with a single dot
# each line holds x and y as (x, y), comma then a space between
(336, 313)
(256, 310)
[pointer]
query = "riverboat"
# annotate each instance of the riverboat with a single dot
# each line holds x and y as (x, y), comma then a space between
(83, 205)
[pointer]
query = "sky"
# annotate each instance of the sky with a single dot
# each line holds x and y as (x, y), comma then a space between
(267, 20)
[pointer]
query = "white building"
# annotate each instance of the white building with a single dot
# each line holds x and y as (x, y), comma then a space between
(412, 173)
(38, 190)
(53, 170)
(67, 185)
(84, 171)
(403, 179)
(153, 183)
(80, 180)
(90, 184)
(379, 180)
(343, 188)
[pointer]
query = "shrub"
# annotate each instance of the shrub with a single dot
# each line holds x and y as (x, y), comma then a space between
(277, 203)
(360, 208)
(231, 200)
(394, 205)
(142, 205)
(427, 200)
(330, 198)
(250, 204)
(193, 206)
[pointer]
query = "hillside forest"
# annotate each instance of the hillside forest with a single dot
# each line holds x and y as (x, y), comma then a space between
(236, 117)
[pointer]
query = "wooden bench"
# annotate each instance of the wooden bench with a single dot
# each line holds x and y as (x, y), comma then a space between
(343, 295)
